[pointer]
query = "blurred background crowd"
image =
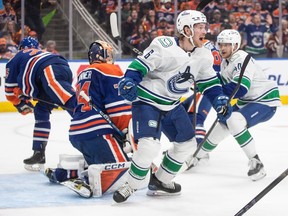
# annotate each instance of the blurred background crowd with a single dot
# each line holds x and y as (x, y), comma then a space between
(262, 23)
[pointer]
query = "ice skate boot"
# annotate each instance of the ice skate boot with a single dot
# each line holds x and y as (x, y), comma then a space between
(256, 170)
(158, 188)
(123, 193)
(37, 160)
(79, 186)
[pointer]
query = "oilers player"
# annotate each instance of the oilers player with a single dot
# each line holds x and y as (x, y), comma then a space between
(33, 73)
(91, 134)
(257, 101)
(154, 82)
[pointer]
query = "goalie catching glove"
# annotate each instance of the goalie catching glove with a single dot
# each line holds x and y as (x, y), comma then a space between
(127, 88)
(223, 108)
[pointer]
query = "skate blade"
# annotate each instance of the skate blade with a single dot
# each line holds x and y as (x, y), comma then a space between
(78, 188)
(34, 167)
(261, 174)
(161, 193)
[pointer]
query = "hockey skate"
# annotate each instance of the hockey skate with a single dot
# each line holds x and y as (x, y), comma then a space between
(123, 193)
(256, 170)
(79, 186)
(50, 174)
(36, 161)
(158, 188)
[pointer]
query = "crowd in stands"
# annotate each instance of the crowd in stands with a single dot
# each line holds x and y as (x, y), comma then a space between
(257, 20)
(10, 26)
(143, 20)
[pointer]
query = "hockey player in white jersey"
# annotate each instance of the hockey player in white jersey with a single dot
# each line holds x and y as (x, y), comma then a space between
(257, 102)
(154, 82)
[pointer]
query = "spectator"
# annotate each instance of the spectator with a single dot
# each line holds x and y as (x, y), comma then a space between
(164, 28)
(10, 44)
(51, 47)
(7, 14)
(167, 11)
(4, 52)
(216, 22)
(11, 28)
(125, 12)
(266, 18)
(138, 38)
(273, 43)
(150, 21)
(255, 33)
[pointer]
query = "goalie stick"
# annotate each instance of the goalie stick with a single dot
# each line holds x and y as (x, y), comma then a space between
(245, 63)
(262, 193)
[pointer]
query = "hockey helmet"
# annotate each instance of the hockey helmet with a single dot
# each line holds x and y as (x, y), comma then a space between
(189, 18)
(230, 36)
(100, 51)
(28, 43)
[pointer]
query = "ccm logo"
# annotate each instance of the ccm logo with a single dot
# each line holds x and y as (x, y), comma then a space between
(114, 166)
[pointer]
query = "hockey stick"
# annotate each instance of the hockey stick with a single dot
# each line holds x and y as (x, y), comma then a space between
(53, 104)
(245, 63)
(105, 116)
(203, 4)
(115, 33)
(262, 193)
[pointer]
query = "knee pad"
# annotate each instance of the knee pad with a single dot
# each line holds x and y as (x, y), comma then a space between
(148, 149)
(236, 123)
(219, 133)
(181, 151)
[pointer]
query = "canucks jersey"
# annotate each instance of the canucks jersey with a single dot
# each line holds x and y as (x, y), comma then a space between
(167, 73)
(259, 88)
(100, 83)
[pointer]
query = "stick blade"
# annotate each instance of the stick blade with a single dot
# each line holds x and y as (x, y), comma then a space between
(114, 26)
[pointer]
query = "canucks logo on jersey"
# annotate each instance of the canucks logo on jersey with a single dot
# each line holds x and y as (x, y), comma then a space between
(174, 84)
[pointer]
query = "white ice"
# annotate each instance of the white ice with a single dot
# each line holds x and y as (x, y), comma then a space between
(218, 188)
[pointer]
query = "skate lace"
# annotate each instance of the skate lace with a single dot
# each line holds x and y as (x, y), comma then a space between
(253, 163)
(126, 190)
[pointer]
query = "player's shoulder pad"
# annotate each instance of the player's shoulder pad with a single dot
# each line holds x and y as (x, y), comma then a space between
(204, 53)
(238, 56)
(164, 41)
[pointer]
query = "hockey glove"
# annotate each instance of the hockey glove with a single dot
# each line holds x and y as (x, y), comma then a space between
(223, 108)
(127, 89)
(25, 107)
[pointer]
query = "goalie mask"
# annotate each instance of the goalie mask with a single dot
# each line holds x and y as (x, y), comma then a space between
(100, 51)
(230, 36)
(28, 43)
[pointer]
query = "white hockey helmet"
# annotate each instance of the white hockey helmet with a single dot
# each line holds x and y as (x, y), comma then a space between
(230, 36)
(189, 18)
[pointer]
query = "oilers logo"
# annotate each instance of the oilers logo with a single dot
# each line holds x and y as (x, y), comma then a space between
(180, 83)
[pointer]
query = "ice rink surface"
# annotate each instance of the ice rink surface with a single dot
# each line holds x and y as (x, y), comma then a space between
(219, 187)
